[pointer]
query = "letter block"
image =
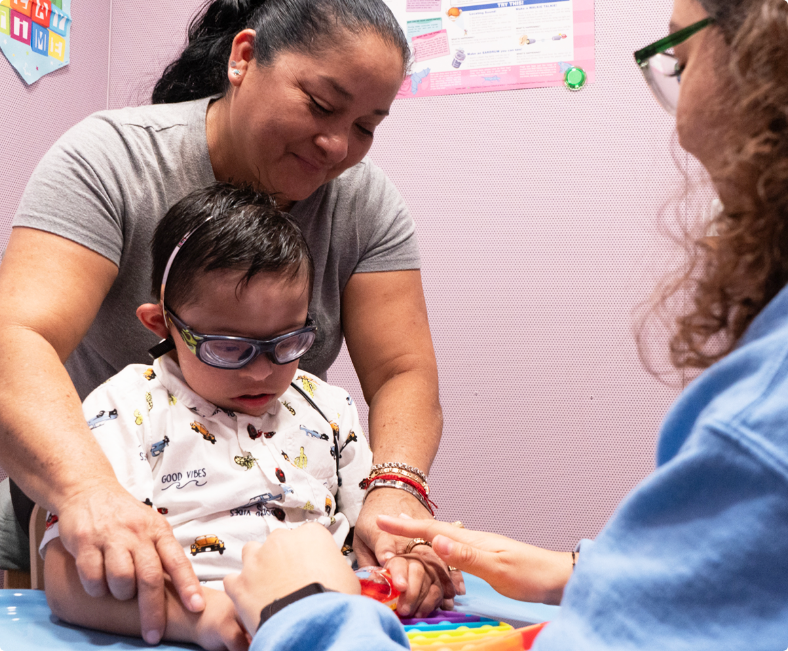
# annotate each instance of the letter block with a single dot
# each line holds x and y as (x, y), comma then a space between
(59, 20)
(57, 46)
(41, 12)
(5, 20)
(24, 7)
(20, 27)
(39, 41)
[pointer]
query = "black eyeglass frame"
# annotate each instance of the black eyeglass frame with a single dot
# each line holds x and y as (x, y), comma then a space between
(195, 340)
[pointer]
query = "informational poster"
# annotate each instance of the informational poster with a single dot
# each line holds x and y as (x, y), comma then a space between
(35, 36)
(469, 46)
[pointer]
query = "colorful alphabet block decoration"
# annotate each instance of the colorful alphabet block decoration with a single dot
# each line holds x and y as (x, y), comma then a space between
(35, 36)
(20, 27)
(24, 7)
(39, 40)
(42, 9)
(5, 21)
(59, 21)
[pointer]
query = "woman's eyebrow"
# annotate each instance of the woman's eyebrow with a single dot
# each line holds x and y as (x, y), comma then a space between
(346, 94)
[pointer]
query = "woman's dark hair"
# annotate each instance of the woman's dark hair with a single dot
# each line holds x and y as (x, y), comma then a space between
(245, 232)
(305, 26)
(732, 275)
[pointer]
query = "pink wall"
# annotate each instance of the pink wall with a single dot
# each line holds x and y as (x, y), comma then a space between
(537, 213)
(537, 216)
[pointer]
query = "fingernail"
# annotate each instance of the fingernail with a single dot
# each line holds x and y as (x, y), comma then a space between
(387, 557)
(401, 583)
(404, 611)
(462, 587)
(197, 603)
(405, 515)
(449, 603)
(152, 637)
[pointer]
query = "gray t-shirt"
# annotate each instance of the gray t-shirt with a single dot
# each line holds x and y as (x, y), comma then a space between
(108, 180)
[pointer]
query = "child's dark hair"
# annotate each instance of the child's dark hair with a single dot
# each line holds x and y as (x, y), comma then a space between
(246, 232)
(304, 26)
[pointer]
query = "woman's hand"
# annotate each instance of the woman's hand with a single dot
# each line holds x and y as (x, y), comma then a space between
(122, 547)
(218, 627)
(421, 576)
(514, 569)
(288, 560)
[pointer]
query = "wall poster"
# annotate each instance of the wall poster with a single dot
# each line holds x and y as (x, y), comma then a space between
(35, 36)
(469, 46)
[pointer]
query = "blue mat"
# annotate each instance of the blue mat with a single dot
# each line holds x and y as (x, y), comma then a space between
(27, 624)
(481, 599)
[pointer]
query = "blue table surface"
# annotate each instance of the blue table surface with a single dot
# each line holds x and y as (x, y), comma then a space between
(27, 624)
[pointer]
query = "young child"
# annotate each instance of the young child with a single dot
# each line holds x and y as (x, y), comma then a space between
(222, 434)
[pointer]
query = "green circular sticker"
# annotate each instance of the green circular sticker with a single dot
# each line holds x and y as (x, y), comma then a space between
(575, 78)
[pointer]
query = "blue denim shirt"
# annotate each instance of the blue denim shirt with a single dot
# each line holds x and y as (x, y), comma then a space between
(332, 622)
(696, 557)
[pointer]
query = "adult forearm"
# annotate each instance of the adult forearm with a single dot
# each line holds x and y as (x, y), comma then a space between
(47, 447)
(406, 420)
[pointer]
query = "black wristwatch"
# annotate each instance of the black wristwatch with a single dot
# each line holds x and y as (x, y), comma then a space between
(278, 604)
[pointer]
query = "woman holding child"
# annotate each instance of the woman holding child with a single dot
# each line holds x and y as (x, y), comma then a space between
(281, 94)
(696, 557)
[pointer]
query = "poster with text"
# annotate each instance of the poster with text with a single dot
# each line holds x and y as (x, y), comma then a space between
(470, 46)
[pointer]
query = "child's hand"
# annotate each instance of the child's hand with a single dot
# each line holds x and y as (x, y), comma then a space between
(218, 627)
(288, 560)
(422, 591)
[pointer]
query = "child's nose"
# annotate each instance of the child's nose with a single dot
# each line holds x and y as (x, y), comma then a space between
(259, 368)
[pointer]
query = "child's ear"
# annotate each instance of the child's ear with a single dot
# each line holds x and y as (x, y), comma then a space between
(150, 315)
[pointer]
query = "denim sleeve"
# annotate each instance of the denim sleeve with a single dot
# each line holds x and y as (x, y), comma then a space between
(695, 559)
(332, 622)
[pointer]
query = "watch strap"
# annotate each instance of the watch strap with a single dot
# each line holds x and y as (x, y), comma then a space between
(278, 604)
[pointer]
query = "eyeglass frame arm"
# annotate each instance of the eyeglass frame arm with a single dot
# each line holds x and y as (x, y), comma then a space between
(643, 55)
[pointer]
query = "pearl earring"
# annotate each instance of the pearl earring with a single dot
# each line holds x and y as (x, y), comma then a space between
(237, 73)
(232, 64)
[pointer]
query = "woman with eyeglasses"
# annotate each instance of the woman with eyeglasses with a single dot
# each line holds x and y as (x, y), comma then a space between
(696, 557)
(284, 95)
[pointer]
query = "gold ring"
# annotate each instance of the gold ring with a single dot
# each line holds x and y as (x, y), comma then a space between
(458, 524)
(415, 542)
(451, 568)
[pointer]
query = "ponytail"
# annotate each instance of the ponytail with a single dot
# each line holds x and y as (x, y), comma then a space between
(201, 69)
(306, 26)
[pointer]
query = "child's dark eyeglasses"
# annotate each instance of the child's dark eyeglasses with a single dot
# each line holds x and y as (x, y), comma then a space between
(224, 351)
(221, 351)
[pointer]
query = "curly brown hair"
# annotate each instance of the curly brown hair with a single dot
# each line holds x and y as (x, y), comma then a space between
(731, 276)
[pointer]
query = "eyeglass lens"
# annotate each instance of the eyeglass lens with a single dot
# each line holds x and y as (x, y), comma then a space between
(234, 354)
(664, 75)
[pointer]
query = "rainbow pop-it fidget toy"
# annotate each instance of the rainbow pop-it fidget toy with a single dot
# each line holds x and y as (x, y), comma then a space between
(451, 631)
(447, 630)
